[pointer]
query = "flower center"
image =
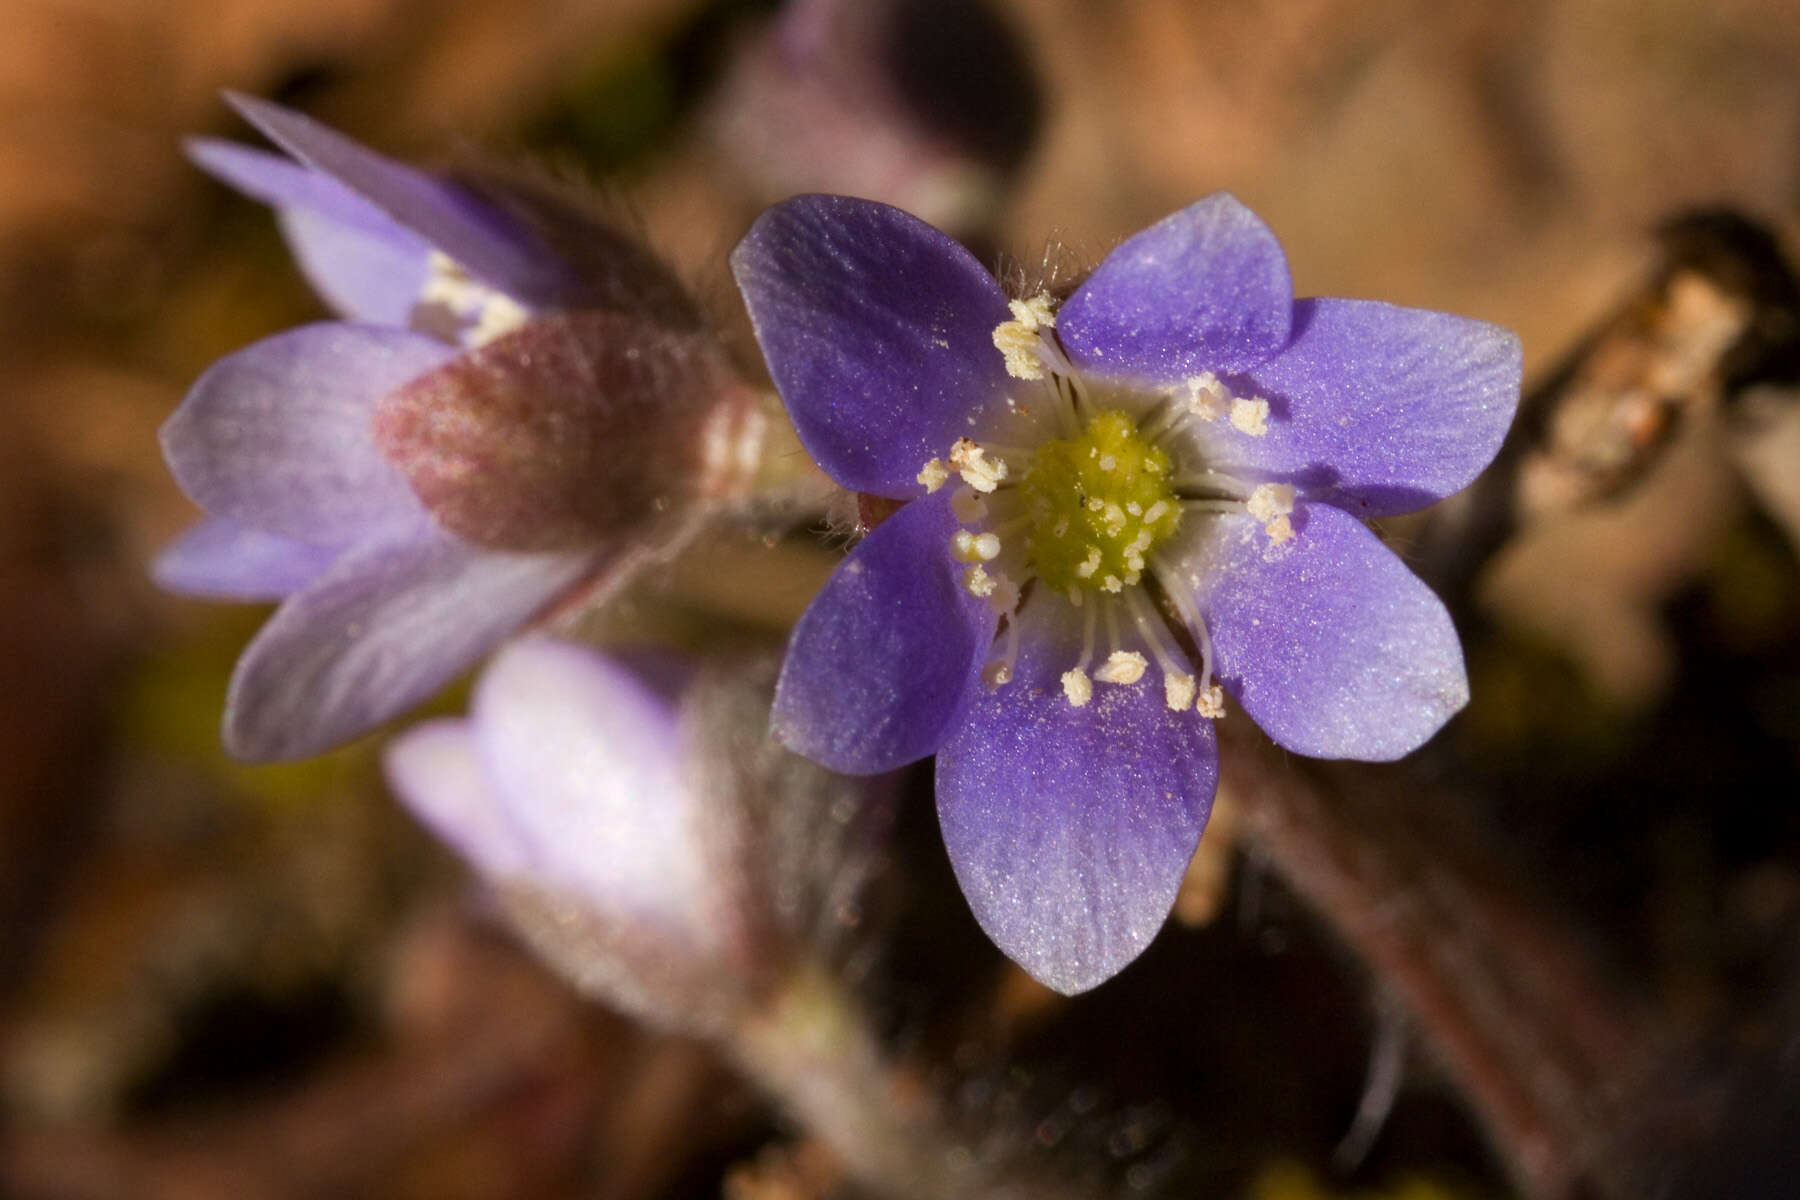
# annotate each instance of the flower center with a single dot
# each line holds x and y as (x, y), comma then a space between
(1097, 504)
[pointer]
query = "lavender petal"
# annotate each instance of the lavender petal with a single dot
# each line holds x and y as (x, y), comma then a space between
(1206, 289)
(881, 664)
(878, 330)
(227, 561)
(1382, 409)
(488, 245)
(436, 772)
(279, 437)
(588, 762)
(392, 621)
(1328, 641)
(1070, 828)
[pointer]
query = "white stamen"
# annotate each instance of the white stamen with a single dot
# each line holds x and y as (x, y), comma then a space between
(1178, 690)
(1019, 339)
(1250, 416)
(996, 673)
(1270, 500)
(1077, 687)
(1005, 597)
(977, 582)
(1280, 530)
(1122, 666)
(1090, 564)
(456, 307)
(934, 475)
(1113, 584)
(1108, 462)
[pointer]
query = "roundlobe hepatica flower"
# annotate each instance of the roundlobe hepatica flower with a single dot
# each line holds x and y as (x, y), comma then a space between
(1122, 512)
(518, 402)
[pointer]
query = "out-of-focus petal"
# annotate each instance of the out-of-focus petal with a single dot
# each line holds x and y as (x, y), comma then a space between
(1070, 828)
(435, 770)
(488, 245)
(279, 436)
(1382, 409)
(591, 765)
(878, 330)
(227, 561)
(881, 665)
(1327, 640)
(391, 622)
(1206, 289)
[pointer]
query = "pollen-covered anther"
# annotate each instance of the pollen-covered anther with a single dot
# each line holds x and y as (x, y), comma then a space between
(454, 305)
(1272, 503)
(934, 475)
(1122, 666)
(978, 470)
(1211, 702)
(1250, 416)
(996, 674)
(1206, 396)
(977, 582)
(1086, 568)
(1077, 687)
(1179, 690)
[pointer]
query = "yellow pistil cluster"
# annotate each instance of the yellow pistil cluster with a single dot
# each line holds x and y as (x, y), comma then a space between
(1097, 504)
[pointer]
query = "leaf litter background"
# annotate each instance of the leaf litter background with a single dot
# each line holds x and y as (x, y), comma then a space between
(217, 980)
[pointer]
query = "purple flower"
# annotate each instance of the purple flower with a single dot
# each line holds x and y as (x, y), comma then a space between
(570, 788)
(1121, 510)
(518, 403)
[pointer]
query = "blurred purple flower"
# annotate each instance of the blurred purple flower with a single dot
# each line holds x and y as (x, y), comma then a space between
(1111, 503)
(519, 402)
(570, 787)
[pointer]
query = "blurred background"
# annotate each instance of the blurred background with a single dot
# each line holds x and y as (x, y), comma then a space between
(227, 981)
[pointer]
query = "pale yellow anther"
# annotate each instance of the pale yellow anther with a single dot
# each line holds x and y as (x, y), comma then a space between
(1077, 687)
(1018, 339)
(1156, 512)
(1211, 702)
(1113, 584)
(1280, 530)
(977, 582)
(987, 546)
(934, 475)
(1090, 564)
(996, 674)
(962, 547)
(1179, 690)
(1207, 398)
(1250, 416)
(1108, 462)
(1122, 666)
(978, 470)
(1034, 314)
(1270, 500)
(454, 305)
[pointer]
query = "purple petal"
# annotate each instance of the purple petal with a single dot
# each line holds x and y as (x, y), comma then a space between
(363, 264)
(488, 245)
(435, 771)
(878, 330)
(882, 663)
(1206, 289)
(279, 436)
(1384, 409)
(589, 762)
(1328, 641)
(1070, 828)
(227, 561)
(391, 622)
